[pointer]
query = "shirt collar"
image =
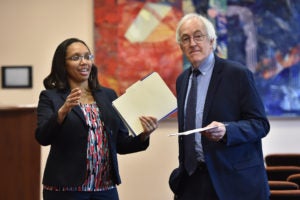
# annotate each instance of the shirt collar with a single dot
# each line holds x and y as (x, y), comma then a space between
(207, 64)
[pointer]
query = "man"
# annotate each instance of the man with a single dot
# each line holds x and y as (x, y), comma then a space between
(228, 159)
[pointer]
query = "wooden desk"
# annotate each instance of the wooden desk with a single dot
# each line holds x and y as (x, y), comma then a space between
(19, 154)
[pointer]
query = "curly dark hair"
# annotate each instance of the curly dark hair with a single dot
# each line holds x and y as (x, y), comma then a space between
(57, 79)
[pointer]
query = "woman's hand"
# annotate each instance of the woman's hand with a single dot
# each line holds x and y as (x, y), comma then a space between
(71, 101)
(149, 125)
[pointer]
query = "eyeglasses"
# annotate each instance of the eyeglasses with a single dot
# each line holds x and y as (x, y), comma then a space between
(185, 40)
(88, 57)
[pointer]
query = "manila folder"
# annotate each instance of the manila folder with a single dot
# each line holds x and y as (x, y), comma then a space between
(147, 97)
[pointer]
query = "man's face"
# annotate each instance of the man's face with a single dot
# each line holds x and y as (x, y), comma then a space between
(194, 41)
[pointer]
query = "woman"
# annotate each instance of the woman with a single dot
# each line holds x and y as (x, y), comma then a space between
(76, 117)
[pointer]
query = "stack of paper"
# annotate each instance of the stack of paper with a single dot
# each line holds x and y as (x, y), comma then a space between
(147, 97)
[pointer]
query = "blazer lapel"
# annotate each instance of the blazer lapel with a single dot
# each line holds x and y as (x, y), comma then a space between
(103, 104)
(181, 97)
(212, 88)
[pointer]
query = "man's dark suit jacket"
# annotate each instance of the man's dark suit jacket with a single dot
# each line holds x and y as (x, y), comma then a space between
(236, 165)
(66, 163)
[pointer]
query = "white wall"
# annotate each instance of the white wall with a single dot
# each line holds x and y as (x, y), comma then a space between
(31, 30)
(284, 136)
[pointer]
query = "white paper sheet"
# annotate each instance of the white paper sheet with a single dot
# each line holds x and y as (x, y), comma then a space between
(195, 130)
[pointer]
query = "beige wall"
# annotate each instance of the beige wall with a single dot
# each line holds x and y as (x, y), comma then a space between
(31, 30)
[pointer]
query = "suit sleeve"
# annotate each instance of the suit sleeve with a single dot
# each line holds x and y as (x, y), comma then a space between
(253, 123)
(47, 125)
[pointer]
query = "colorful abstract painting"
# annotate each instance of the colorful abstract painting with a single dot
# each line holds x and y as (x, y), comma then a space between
(134, 38)
(265, 36)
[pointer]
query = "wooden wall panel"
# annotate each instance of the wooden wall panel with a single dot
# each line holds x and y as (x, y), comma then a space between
(19, 154)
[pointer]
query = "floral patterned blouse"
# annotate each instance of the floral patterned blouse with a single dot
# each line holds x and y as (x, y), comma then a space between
(98, 173)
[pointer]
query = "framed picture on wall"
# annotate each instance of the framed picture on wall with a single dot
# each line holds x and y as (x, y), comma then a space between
(16, 76)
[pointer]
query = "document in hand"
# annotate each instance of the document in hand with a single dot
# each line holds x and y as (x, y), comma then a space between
(147, 97)
(197, 130)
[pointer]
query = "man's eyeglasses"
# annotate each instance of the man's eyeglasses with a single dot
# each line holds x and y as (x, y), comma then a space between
(88, 57)
(185, 40)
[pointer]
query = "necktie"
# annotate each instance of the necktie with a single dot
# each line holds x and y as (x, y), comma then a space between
(190, 161)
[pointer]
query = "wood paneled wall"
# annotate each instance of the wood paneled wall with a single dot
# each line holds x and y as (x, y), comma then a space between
(19, 154)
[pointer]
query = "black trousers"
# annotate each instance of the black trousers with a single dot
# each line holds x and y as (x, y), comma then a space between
(111, 194)
(198, 186)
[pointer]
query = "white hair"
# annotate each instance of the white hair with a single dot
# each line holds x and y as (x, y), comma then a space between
(210, 29)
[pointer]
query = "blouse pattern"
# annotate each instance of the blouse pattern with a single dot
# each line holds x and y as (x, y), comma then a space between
(98, 173)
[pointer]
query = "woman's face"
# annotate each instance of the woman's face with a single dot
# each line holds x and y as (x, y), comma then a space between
(78, 63)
